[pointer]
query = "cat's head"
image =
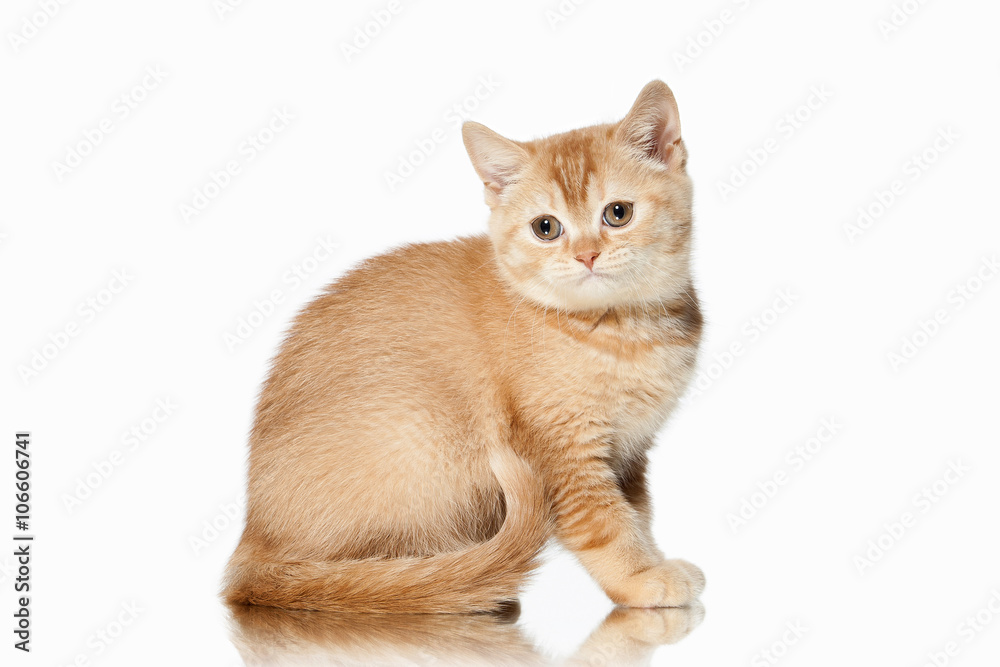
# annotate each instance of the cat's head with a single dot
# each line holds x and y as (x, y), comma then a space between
(593, 218)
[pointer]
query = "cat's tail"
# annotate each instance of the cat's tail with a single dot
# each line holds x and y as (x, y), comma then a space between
(478, 579)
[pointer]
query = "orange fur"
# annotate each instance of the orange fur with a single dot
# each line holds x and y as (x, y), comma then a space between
(272, 637)
(443, 408)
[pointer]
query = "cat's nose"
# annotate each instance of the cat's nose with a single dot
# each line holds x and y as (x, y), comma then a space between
(588, 257)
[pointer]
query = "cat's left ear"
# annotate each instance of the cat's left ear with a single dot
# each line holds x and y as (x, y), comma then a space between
(496, 159)
(653, 126)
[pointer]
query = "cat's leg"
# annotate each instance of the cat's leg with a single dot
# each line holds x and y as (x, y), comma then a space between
(596, 521)
(630, 475)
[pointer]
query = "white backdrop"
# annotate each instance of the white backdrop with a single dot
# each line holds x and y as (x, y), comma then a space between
(179, 178)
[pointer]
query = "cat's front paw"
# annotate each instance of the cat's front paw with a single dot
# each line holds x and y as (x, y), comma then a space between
(672, 583)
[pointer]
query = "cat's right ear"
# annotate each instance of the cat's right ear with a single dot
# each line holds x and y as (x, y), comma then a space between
(496, 159)
(652, 127)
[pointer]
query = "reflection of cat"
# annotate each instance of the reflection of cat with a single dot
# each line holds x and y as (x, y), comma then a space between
(273, 637)
(442, 409)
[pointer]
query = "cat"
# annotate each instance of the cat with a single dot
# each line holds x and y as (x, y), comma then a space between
(441, 411)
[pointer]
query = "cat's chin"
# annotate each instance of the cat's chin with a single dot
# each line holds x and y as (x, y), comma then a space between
(594, 292)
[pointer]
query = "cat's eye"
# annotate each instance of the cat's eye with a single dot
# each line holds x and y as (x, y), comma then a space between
(618, 213)
(546, 227)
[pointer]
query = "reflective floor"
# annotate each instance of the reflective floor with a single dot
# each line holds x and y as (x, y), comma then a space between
(266, 636)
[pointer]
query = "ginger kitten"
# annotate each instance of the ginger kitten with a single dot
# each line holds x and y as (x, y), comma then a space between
(442, 410)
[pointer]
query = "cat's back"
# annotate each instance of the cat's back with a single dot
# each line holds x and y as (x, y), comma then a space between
(417, 281)
(399, 322)
(368, 398)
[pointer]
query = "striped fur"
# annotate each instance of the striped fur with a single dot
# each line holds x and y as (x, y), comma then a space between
(441, 410)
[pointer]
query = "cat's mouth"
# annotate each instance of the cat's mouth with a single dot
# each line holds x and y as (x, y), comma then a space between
(591, 276)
